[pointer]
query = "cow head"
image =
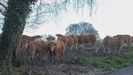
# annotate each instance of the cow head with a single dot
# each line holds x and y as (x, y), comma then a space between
(24, 44)
(60, 37)
(52, 45)
(50, 38)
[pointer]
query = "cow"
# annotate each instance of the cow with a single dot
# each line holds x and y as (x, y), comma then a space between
(67, 40)
(125, 40)
(131, 39)
(37, 47)
(111, 44)
(56, 49)
(33, 48)
(87, 39)
(24, 39)
(75, 38)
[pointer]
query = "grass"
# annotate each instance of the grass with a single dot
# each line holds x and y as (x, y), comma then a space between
(109, 62)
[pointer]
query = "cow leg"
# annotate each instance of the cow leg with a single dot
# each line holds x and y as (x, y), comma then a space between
(46, 56)
(76, 46)
(108, 50)
(114, 50)
(119, 51)
(104, 50)
(34, 57)
(65, 45)
(96, 51)
(111, 50)
(71, 47)
(30, 60)
(61, 55)
(56, 57)
(61, 58)
(51, 56)
(131, 45)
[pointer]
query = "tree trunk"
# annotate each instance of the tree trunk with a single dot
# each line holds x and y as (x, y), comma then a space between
(13, 27)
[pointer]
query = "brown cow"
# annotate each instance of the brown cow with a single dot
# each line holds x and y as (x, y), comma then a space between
(131, 38)
(111, 44)
(56, 48)
(37, 47)
(75, 38)
(34, 48)
(125, 40)
(24, 42)
(25, 39)
(68, 40)
(91, 39)
(61, 38)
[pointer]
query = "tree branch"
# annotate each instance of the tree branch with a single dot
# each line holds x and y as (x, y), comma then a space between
(3, 6)
(2, 12)
(1, 9)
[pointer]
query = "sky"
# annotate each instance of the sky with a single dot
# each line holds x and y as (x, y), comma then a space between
(112, 17)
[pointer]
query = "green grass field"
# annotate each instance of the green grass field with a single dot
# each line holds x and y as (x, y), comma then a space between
(109, 62)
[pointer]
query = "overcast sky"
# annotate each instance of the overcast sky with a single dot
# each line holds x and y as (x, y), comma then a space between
(112, 17)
